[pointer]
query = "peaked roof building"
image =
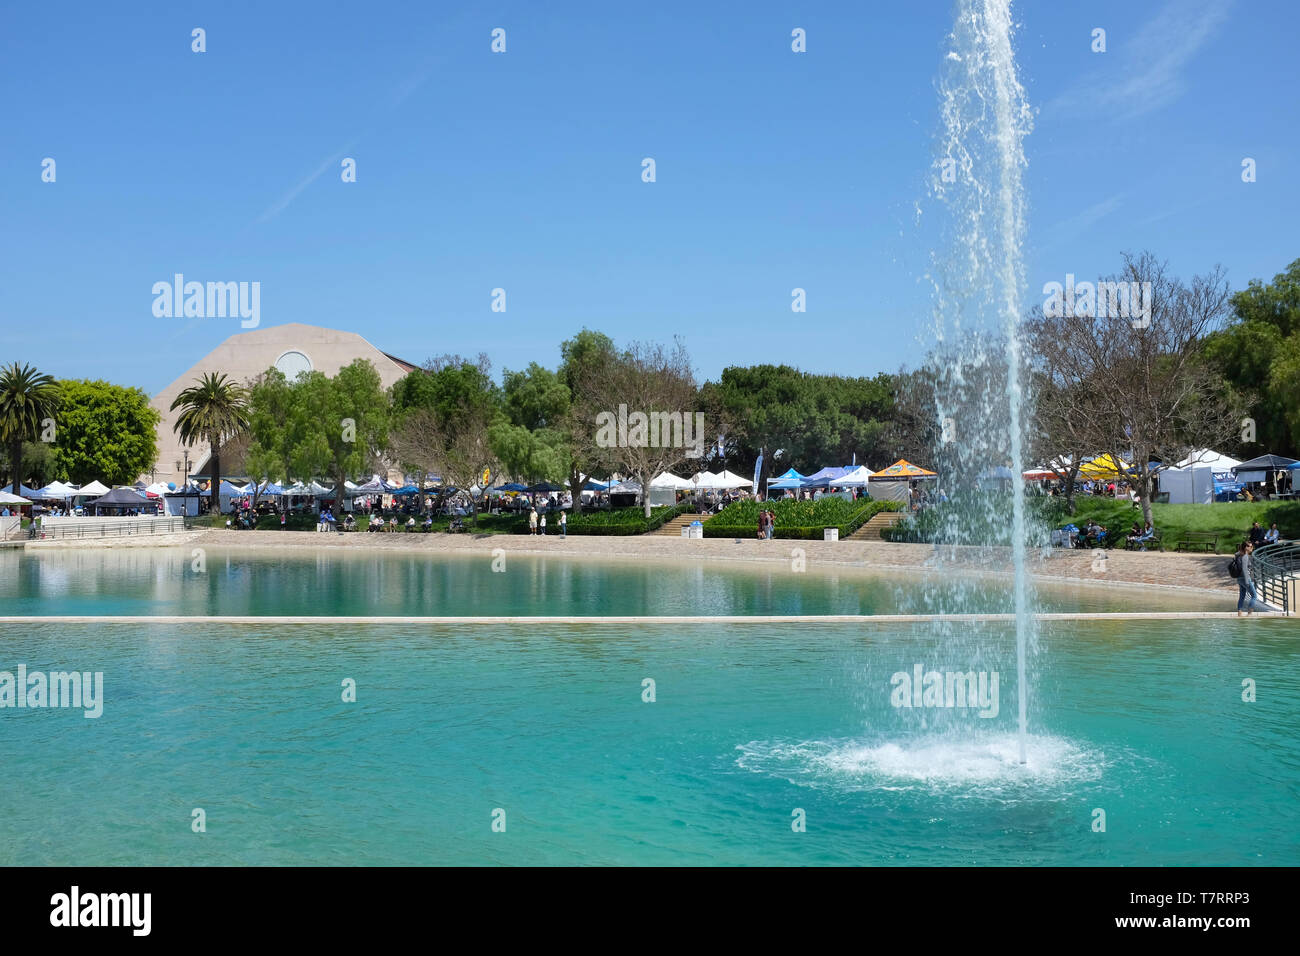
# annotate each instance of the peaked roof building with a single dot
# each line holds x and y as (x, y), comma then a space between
(292, 348)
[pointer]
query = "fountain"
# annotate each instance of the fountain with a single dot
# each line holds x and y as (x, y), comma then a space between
(976, 359)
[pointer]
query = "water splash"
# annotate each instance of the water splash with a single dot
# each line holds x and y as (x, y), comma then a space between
(981, 765)
(977, 361)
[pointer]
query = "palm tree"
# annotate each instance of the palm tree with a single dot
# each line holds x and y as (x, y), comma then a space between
(214, 410)
(27, 399)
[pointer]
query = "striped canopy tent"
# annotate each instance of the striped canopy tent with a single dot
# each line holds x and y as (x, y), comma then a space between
(902, 470)
(1103, 467)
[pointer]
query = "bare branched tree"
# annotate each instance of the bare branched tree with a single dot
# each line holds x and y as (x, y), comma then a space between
(1136, 380)
(639, 409)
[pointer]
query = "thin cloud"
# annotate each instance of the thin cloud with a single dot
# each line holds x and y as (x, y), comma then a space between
(283, 202)
(1147, 73)
(1077, 224)
(398, 95)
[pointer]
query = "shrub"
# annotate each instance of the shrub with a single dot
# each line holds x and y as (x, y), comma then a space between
(796, 519)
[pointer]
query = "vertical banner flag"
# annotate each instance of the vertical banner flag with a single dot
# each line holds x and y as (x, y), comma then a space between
(758, 468)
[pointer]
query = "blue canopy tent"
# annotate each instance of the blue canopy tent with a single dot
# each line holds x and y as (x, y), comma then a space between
(825, 478)
(791, 479)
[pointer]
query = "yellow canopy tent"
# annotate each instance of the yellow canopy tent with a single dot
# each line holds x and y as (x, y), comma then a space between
(1103, 467)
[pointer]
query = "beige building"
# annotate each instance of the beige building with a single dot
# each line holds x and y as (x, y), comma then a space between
(291, 348)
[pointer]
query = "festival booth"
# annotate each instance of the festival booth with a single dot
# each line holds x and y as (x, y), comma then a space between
(895, 482)
(1103, 468)
(122, 501)
(996, 478)
(729, 481)
(1202, 477)
(1268, 470)
(11, 525)
(664, 488)
(825, 478)
(790, 480)
(859, 477)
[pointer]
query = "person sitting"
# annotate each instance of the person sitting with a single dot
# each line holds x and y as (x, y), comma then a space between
(374, 524)
(392, 523)
(350, 522)
(1256, 536)
(410, 523)
(428, 522)
(1272, 535)
(1146, 535)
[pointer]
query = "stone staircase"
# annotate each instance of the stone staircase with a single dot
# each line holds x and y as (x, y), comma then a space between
(673, 526)
(878, 522)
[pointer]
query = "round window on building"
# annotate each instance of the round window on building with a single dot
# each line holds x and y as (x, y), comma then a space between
(293, 364)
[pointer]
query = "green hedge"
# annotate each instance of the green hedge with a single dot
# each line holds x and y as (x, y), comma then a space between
(801, 520)
(617, 521)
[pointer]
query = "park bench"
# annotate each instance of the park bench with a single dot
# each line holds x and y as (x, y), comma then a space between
(1151, 544)
(1208, 540)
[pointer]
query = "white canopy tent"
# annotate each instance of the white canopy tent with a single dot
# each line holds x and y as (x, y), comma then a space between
(1192, 480)
(703, 481)
(93, 490)
(727, 480)
(857, 478)
(664, 488)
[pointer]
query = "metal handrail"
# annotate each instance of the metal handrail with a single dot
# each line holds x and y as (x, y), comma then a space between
(1271, 568)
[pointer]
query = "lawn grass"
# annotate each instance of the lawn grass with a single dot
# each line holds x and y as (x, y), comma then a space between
(1230, 520)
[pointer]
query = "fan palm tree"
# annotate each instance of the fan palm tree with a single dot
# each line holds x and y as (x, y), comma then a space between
(214, 409)
(27, 399)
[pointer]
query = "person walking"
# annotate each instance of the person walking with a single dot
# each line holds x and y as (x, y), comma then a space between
(532, 521)
(564, 524)
(1245, 583)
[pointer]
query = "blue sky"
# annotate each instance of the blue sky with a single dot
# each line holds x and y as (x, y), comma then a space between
(523, 170)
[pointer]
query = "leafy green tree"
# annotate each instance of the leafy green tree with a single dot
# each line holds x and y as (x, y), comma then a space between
(106, 432)
(582, 359)
(532, 455)
(1257, 354)
(271, 406)
(444, 413)
(29, 400)
(213, 409)
(535, 398)
(335, 427)
(816, 419)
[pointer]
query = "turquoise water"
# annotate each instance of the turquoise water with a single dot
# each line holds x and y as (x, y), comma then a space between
(1142, 719)
(165, 582)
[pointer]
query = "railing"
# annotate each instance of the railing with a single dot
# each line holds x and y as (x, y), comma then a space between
(109, 527)
(1275, 569)
(11, 526)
